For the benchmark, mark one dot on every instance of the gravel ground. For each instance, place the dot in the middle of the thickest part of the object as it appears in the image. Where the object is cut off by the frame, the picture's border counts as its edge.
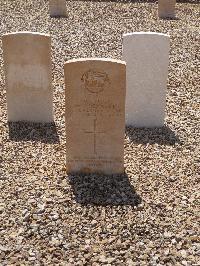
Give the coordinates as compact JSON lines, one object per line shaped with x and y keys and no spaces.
{"x":149,"y":216}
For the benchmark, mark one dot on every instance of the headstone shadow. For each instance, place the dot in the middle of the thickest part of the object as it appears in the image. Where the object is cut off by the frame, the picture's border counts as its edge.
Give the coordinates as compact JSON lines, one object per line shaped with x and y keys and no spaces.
{"x":143,"y":1}
{"x":162,"y":136}
{"x":58,"y":17}
{"x":104,"y":190}
{"x":26,"y":131}
{"x":170,"y":18}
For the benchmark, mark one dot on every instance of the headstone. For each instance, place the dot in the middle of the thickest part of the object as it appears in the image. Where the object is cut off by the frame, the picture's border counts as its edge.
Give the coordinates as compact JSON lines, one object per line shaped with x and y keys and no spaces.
{"x":146,"y":55}
{"x":57,"y":8}
{"x":27,"y":61}
{"x":95,"y":115}
{"x":166,"y":8}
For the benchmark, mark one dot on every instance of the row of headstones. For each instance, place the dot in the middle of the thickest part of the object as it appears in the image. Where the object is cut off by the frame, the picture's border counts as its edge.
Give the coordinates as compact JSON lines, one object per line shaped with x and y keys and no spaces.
{"x":166,"y":8}
{"x":94,"y":96}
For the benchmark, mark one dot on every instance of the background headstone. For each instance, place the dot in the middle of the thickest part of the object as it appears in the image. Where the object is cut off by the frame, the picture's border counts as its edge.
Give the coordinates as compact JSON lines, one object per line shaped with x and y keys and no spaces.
{"x":166,"y":8}
{"x":146,"y":55}
{"x":95,"y":115}
{"x":27,"y":62}
{"x":57,"y":8}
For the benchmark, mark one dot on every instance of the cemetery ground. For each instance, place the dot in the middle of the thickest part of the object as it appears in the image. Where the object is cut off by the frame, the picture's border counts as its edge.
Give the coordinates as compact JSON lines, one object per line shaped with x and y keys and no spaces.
{"x":149,"y":215}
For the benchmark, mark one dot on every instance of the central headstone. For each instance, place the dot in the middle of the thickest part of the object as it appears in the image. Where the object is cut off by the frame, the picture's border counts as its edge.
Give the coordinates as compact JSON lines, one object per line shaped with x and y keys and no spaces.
{"x":95,"y":115}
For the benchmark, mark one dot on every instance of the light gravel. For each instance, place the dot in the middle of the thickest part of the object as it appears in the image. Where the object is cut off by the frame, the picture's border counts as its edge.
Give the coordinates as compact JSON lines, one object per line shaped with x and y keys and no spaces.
{"x":149,"y":216}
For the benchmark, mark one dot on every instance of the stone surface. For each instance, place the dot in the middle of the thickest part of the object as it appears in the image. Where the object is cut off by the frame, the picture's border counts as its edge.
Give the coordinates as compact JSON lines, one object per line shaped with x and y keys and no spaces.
{"x":57,"y":8}
{"x":146,"y":55}
{"x":95,"y":115}
{"x":166,"y":8}
{"x":27,"y":63}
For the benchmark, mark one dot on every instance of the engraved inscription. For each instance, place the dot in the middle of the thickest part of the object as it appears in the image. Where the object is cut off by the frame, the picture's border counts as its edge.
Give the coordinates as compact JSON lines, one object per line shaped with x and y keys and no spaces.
{"x":95,"y":132}
{"x":99,"y":107}
{"x":28,"y":77}
{"x":95,"y":81}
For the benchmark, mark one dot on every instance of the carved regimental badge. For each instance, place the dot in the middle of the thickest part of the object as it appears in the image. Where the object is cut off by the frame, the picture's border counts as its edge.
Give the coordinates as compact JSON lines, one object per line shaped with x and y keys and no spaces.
{"x":95,"y":81}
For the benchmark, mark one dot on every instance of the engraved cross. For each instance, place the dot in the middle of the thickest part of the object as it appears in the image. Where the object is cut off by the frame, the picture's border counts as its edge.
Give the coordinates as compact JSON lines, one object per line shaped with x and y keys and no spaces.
{"x":94,"y":132}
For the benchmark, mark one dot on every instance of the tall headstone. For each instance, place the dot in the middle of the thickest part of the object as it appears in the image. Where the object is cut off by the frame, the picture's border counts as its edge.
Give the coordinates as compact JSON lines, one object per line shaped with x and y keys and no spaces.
{"x":166,"y":8}
{"x":27,"y":62}
{"x":95,"y":115}
{"x":147,"y":56}
{"x":57,"y":8}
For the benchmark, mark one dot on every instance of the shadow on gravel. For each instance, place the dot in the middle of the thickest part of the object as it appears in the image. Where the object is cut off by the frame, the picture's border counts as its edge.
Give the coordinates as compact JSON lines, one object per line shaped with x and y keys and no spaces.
{"x":188,"y":1}
{"x":142,"y":1}
{"x":41,"y":132}
{"x":104,"y":190}
{"x":161,"y":136}
{"x":175,"y":18}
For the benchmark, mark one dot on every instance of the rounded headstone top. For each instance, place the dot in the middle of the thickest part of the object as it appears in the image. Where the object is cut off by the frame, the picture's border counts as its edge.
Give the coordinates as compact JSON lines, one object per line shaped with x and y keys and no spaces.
{"x":95,"y":59}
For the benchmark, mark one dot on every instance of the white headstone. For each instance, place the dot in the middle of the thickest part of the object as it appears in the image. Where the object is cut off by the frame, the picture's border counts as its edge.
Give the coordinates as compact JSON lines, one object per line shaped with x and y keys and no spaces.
{"x":147,"y":56}
{"x":57,"y":8}
{"x":27,"y":62}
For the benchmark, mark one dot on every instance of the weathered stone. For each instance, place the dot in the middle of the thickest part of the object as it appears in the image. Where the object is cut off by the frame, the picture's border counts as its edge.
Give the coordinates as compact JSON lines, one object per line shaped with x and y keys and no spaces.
{"x":95,"y":115}
{"x":146,"y":55}
{"x":27,"y":61}
{"x":57,"y":8}
{"x":166,"y":8}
